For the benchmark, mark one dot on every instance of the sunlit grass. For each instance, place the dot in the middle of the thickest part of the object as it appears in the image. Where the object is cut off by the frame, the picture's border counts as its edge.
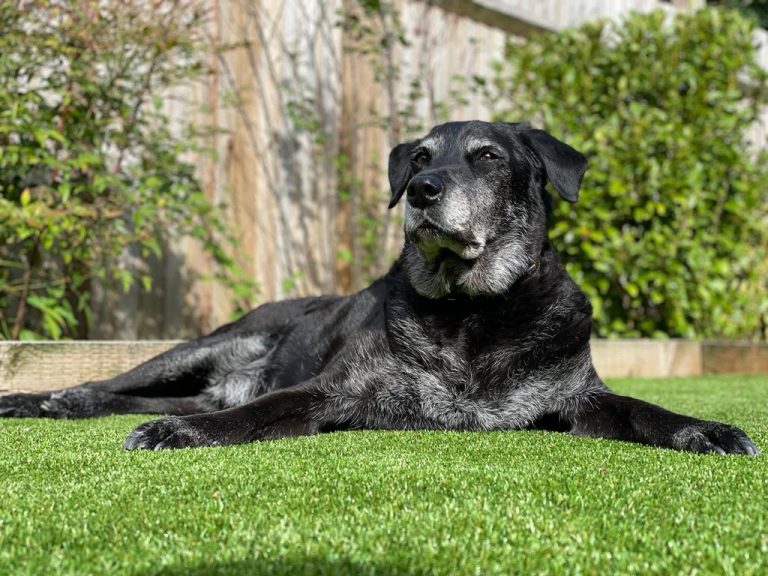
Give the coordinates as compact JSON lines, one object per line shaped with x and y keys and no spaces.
{"x":390,"y":502}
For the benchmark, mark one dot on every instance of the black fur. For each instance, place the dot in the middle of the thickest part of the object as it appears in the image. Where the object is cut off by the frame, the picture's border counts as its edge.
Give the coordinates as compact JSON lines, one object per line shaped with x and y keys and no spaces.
{"x":477,"y":326}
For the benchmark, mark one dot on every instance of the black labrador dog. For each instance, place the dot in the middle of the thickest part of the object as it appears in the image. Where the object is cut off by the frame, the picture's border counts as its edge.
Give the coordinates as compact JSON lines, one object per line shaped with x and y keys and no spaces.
{"x":477,"y":326}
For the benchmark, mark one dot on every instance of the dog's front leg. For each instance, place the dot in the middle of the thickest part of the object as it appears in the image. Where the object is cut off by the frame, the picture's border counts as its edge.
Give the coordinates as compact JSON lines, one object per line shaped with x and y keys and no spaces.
{"x":623,"y":418}
{"x":289,"y":412}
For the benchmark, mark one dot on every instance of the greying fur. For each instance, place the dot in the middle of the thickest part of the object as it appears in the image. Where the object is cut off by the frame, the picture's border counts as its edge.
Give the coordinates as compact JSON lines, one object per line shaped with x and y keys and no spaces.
{"x":239,"y":375}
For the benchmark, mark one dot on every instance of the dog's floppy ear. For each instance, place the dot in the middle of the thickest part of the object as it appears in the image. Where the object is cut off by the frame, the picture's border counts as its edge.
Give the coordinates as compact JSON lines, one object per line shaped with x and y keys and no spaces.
{"x":564,"y":166}
{"x":399,"y":170}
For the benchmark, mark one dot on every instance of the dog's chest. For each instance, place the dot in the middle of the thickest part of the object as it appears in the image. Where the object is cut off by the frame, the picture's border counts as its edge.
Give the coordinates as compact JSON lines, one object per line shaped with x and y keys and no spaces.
{"x":466,"y":335}
{"x":479,"y":373}
{"x":474,"y":352}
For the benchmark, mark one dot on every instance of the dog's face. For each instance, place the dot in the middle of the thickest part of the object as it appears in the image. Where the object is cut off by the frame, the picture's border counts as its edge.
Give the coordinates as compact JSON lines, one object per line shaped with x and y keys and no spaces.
{"x":476,"y":216}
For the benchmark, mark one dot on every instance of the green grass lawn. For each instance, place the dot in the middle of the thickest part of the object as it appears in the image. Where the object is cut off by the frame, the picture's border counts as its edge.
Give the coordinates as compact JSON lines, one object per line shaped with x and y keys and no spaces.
{"x":390,"y":502}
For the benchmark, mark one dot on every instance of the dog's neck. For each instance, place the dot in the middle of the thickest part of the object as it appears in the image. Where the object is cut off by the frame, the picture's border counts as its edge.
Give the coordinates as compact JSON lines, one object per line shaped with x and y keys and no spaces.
{"x":504,"y":263}
{"x":432,"y":282}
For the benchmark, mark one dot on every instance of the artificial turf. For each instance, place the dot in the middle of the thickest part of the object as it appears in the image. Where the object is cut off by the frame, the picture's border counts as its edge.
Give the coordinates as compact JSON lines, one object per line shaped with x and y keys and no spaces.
{"x":390,"y":502}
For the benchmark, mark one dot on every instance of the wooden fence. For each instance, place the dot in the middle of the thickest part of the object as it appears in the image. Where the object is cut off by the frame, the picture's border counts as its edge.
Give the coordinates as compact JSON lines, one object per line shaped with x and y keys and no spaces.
{"x":311,"y":100}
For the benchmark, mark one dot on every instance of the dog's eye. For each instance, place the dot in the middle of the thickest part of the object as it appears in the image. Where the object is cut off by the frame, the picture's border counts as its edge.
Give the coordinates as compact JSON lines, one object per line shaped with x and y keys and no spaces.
{"x":487,"y":155}
{"x":420,"y":160}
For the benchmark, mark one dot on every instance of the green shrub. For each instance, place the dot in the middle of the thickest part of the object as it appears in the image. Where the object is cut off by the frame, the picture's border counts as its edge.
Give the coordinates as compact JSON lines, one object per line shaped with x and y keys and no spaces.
{"x":89,"y":166}
{"x":670,"y":234}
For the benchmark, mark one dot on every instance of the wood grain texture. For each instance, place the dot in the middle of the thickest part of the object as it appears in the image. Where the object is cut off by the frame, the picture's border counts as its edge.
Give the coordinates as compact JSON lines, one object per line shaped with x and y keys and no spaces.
{"x":295,"y":98}
{"x":744,"y":357}
{"x":646,"y":358}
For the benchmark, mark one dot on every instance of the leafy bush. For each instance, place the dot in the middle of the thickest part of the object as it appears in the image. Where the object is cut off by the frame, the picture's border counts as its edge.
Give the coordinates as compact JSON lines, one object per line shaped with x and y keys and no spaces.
{"x":757,"y":10}
{"x":671,"y":231}
{"x":89,"y":165}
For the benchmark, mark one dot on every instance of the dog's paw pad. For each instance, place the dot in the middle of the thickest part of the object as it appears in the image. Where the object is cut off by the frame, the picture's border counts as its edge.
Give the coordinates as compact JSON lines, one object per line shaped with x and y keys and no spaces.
{"x":714,"y":437}
{"x":170,"y":432}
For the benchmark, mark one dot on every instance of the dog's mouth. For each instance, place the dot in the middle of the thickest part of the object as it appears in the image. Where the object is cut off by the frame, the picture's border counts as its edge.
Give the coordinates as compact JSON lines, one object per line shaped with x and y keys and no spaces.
{"x":437,"y":244}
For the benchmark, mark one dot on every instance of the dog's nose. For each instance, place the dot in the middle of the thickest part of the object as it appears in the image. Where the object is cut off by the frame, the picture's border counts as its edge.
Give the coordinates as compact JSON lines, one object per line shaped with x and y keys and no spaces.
{"x":424,"y":190}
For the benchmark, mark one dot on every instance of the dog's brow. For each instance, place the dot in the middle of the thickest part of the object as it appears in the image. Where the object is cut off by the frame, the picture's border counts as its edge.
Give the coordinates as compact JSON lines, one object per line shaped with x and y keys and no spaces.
{"x":472,"y":144}
{"x":434,"y":143}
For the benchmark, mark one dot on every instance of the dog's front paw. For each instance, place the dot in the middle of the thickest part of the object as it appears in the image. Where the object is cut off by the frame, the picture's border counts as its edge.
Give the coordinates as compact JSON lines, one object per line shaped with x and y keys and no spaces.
{"x":714,"y":437}
{"x":22,"y":405}
{"x":170,"y":432}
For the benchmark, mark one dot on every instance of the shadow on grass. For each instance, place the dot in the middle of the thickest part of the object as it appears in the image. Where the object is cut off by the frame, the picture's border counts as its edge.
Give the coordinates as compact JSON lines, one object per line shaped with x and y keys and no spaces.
{"x":291,"y":566}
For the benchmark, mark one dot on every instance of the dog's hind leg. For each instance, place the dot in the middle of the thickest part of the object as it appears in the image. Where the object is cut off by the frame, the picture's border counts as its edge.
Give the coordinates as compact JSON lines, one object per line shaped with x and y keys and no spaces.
{"x":180,"y":371}
{"x":171,"y":383}
{"x":81,"y":402}
{"x":90,"y":402}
